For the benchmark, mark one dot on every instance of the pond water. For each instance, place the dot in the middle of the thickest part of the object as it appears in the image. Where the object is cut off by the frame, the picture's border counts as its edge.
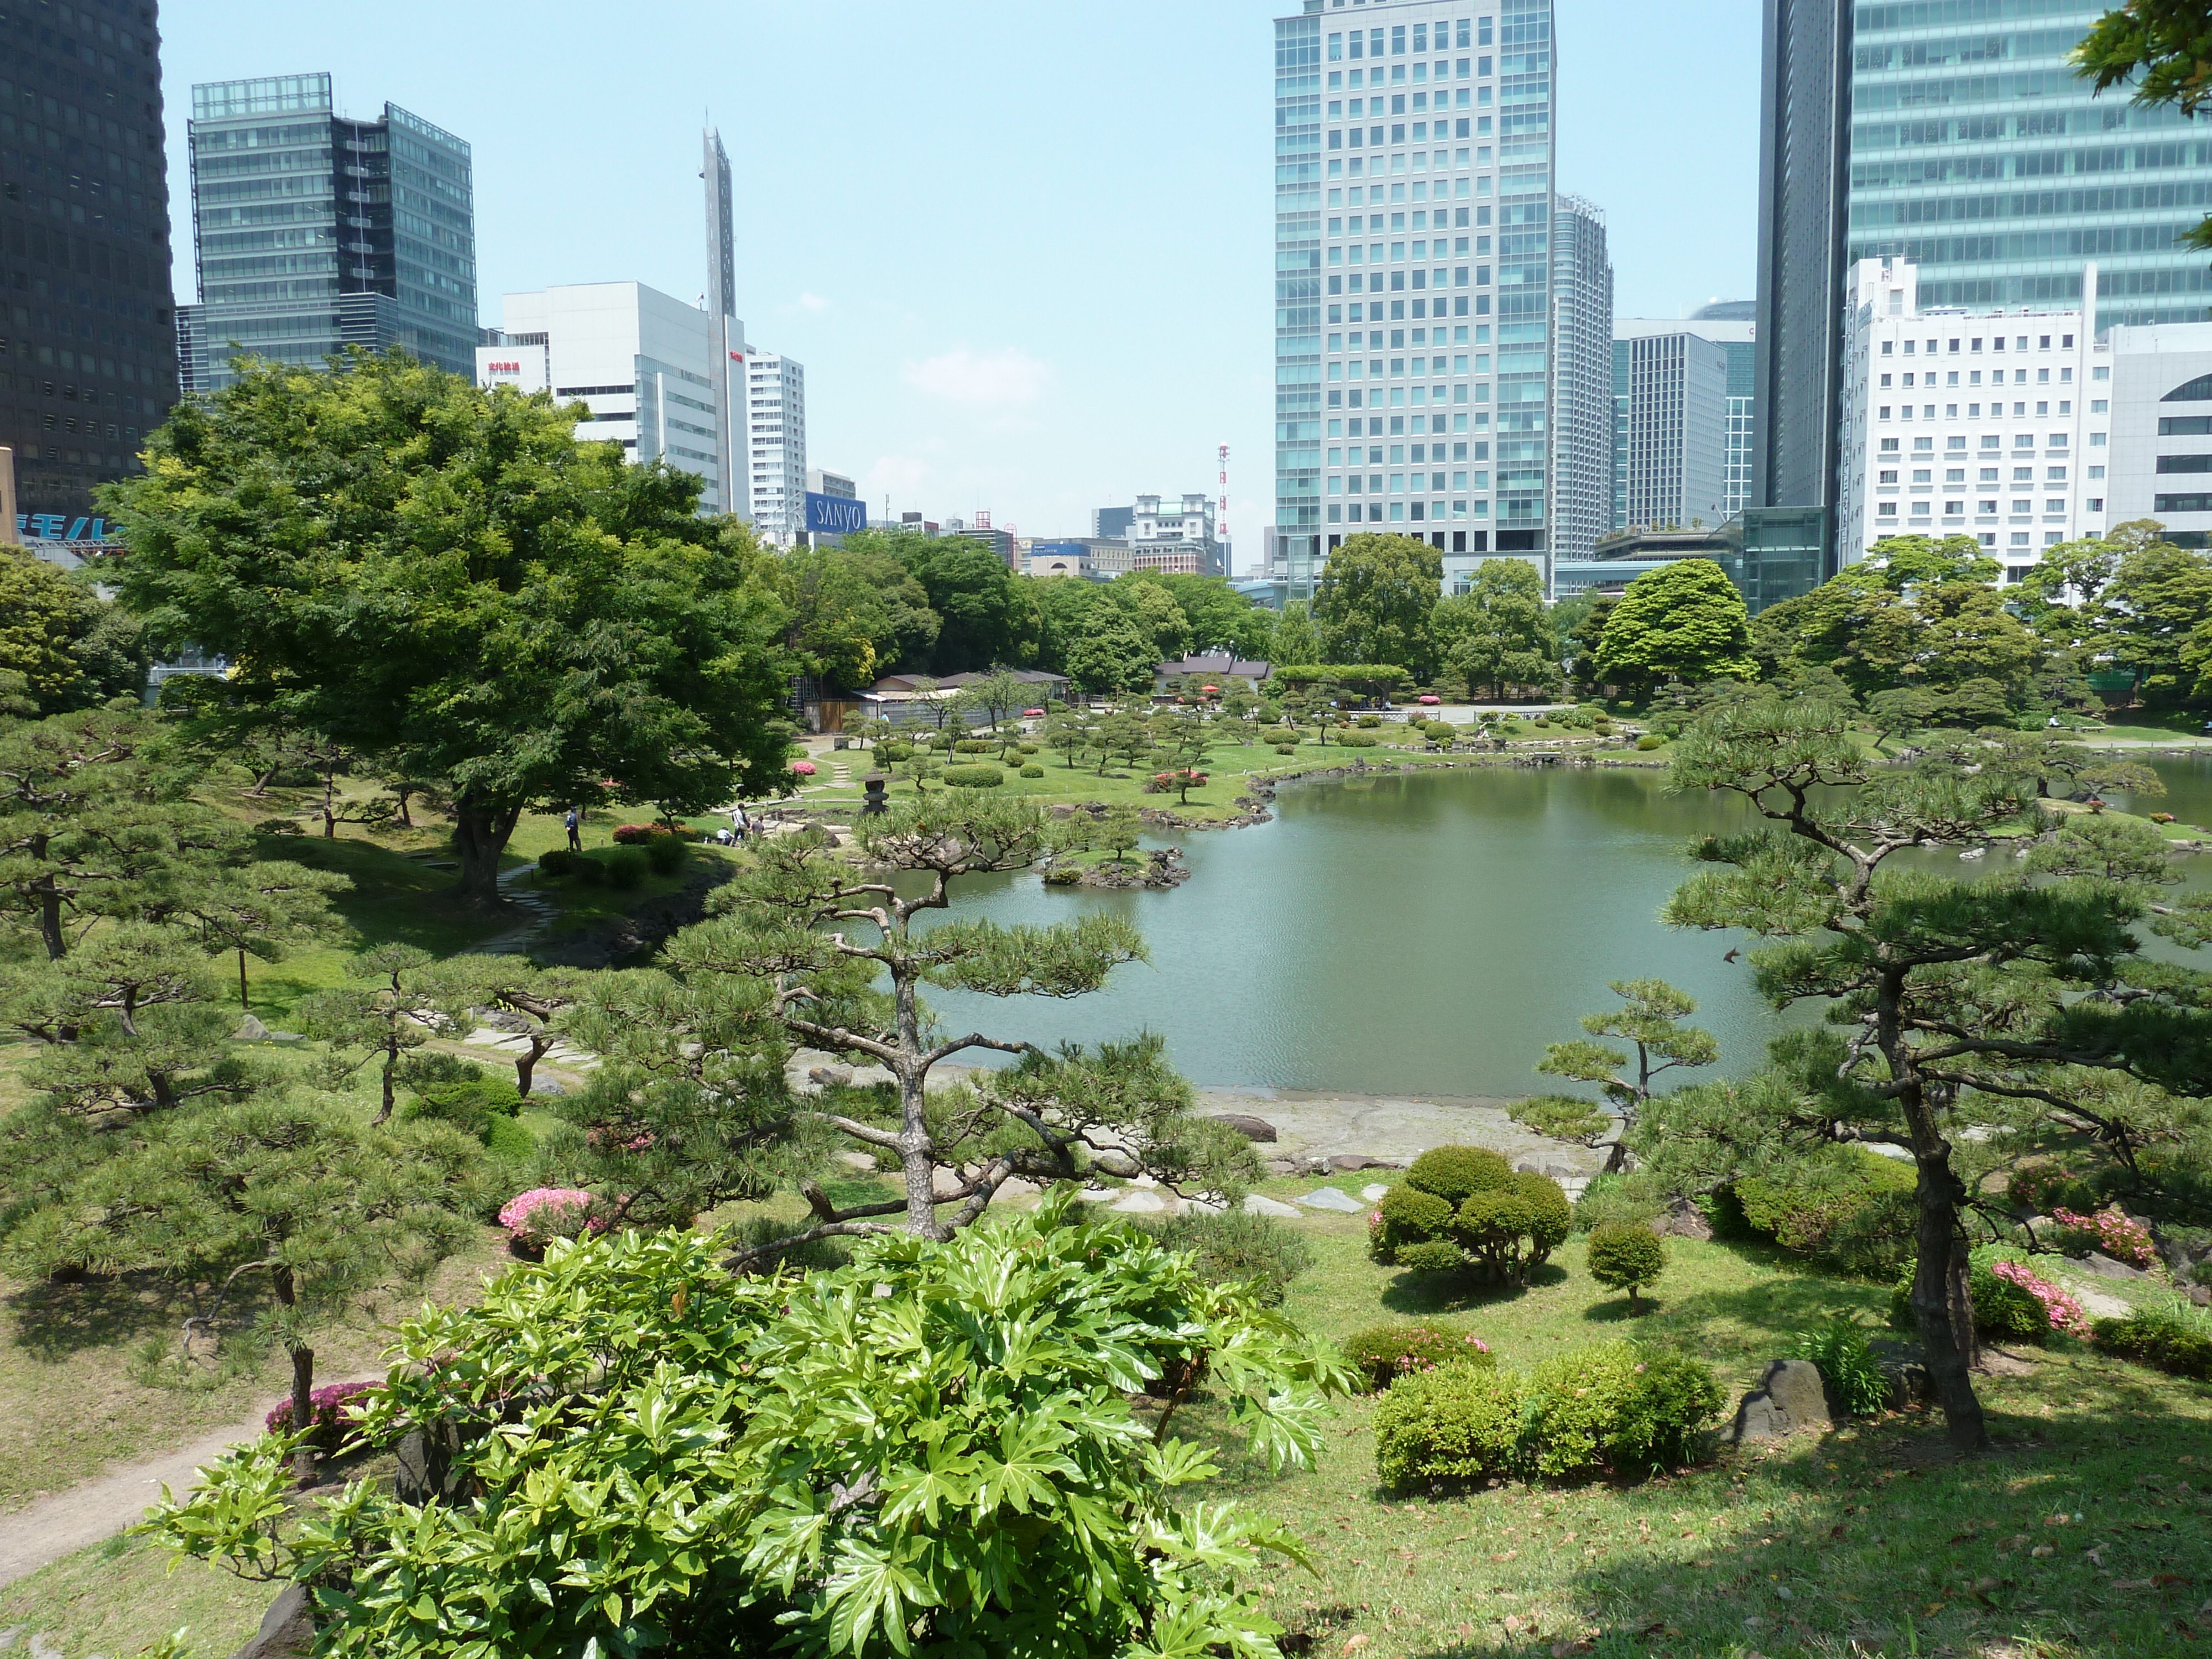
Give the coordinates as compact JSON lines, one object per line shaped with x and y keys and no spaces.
{"x":1419,"y":934}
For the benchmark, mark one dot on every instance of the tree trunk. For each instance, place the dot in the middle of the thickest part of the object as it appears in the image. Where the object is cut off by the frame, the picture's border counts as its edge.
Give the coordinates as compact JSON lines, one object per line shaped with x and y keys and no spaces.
{"x":917,"y":1151}
{"x":242,"y":1002}
{"x":50,"y":918}
{"x":303,"y":1385}
{"x":391,"y":1067}
{"x":525,"y":1064}
{"x":480,"y":835}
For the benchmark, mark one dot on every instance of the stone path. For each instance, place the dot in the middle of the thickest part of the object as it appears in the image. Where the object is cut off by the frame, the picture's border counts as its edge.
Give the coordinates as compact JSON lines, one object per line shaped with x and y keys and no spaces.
{"x":87,"y":1514}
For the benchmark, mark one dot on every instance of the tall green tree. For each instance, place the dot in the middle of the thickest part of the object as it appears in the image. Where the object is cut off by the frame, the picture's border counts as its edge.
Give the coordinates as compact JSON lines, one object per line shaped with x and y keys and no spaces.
{"x":73,"y":648}
{"x":1684,"y":621}
{"x":444,"y":577}
{"x":1376,"y":596}
{"x":1498,"y":633}
{"x":2150,"y":613}
{"x":854,"y":613}
{"x":989,"y":616}
{"x":1295,"y":639}
{"x":1154,"y":609}
{"x":1949,"y":990}
{"x":1114,"y":655}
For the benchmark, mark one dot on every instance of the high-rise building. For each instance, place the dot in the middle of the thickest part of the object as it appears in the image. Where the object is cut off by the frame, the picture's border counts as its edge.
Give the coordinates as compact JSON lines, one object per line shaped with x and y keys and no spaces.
{"x":2160,"y":405}
{"x":644,"y":365}
{"x":87,"y":343}
{"x":1582,"y":380}
{"x":1683,"y":438}
{"x":775,"y":424}
{"x":728,"y":344}
{"x":1111,"y":522}
{"x":1993,"y":424}
{"x":1961,"y":140}
{"x":1180,"y":525}
{"x":315,"y":233}
{"x":1414,"y":220}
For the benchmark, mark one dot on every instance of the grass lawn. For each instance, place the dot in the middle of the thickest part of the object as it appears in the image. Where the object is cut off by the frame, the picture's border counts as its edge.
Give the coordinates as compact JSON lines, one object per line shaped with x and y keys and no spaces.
{"x":122,"y":1596}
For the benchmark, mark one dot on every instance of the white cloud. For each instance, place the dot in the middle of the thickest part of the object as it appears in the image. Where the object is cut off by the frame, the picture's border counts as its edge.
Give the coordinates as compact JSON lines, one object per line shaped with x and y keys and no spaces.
{"x":996,"y":380}
{"x":813,"y":303}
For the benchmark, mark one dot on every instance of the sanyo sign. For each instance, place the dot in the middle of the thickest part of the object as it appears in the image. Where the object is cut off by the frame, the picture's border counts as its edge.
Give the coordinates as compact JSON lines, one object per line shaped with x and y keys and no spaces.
{"x":836,"y":515}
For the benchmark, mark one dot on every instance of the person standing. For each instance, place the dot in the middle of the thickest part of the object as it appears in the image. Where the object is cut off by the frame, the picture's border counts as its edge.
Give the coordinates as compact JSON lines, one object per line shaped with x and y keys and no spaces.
{"x":739,"y":822}
{"x":574,"y":824}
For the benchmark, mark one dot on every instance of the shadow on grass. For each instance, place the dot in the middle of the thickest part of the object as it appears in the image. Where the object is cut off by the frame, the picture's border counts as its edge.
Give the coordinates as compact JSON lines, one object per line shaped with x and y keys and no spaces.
{"x":1419,"y":1294}
{"x":1619,"y":1311}
{"x":55,"y":1318}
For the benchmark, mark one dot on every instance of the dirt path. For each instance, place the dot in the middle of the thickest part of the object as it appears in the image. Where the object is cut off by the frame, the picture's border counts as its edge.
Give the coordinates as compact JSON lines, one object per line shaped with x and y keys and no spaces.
{"x":99,"y":1509}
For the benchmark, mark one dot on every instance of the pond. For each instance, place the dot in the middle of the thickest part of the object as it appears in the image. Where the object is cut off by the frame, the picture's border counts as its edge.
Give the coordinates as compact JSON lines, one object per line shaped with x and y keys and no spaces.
{"x":1424,"y":934}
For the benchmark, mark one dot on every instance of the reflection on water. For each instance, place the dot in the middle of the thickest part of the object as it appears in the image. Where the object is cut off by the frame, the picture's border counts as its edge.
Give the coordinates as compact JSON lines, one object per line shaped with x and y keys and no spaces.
{"x":1426,"y":933}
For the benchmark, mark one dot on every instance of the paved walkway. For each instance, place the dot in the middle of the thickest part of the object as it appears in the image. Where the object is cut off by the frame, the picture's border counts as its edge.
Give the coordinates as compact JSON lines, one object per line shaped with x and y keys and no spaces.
{"x":97,"y":1510}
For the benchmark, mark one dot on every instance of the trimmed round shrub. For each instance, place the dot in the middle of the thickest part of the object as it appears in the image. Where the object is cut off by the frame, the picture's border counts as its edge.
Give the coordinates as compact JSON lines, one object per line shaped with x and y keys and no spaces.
{"x":1618,"y":1406}
{"x":1434,"y":1255}
{"x":638,"y":835}
{"x":973,"y":777}
{"x":1440,"y":731}
{"x":280,"y":827}
{"x":557,"y":862}
{"x":1552,"y":1218}
{"x":1231,"y":1247}
{"x":1626,"y":1258}
{"x":472,"y":1105}
{"x":1853,"y":1208}
{"x":1025,"y":748}
{"x":1286,"y":749}
{"x":1359,"y":739}
{"x":625,"y":867}
{"x":1493,"y":1228}
{"x":1032,"y":771}
{"x":974,"y":746}
{"x":1649,"y":741}
{"x":1369,"y":722}
{"x":1456,"y":1173}
{"x":1603,"y":728}
{"x":1386,"y":1352}
{"x":1406,"y":1215}
{"x":890,"y":751}
{"x":666,"y":854}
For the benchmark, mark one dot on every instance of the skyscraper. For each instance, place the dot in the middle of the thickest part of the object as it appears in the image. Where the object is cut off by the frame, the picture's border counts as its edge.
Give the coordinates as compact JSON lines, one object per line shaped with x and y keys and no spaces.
{"x":1413,"y":218}
{"x":1674,"y":455}
{"x":1582,"y":380}
{"x":87,"y":345}
{"x":728,"y":341}
{"x":314,"y":232}
{"x":1728,"y":425}
{"x":1971,"y":148}
{"x":775,"y":419}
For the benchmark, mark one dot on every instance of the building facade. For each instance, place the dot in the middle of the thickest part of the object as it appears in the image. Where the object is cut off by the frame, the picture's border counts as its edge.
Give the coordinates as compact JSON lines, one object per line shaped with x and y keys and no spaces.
{"x":313,"y":233}
{"x":642,"y":363}
{"x":775,"y":424}
{"x":1672,"y":428}
{"x":1725,"y":323}
{"x":1990,"y":423}
{"x":2161,"y":410}
{"x":726,"y":344}
{"x":1177,"y":525}
{"x":1413,"y":231}
{"x":1581,"y":419}
{"x":87,"y":342}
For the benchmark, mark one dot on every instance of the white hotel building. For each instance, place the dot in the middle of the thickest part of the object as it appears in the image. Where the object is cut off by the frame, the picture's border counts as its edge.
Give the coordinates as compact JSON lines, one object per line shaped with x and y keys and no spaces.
{"x":1990,"y":423}
{"x":641,"y":363}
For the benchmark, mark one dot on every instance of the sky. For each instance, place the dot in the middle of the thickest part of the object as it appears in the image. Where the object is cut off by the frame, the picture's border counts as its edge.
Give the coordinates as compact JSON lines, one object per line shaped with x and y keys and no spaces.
{"x":1024,"y":251}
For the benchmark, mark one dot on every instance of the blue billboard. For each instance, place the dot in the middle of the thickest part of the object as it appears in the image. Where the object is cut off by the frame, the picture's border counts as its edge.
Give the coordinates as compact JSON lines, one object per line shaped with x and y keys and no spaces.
{"x":836,"y":515}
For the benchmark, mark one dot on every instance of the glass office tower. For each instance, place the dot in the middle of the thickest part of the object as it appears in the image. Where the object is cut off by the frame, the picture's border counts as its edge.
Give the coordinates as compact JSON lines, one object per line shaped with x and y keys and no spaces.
{"x":315,"y":233}
{"x":1413,"y":275}
{"x":1582,"y":416}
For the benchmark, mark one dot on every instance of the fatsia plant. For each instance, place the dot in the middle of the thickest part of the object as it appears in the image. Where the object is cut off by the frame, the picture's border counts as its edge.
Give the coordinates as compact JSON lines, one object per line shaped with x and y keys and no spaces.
{"x":1949,"y":989}
{"x":931,"y":1452}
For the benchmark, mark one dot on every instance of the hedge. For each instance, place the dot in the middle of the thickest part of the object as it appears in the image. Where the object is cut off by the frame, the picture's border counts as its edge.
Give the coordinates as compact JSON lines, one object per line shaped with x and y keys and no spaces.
{"x":2170,"y":1337}
{"x":973,"y":777}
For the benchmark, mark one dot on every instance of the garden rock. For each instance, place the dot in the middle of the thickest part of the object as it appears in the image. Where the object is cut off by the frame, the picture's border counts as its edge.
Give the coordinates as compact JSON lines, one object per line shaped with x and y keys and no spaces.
{"x":1353,"y":1162}
{"x":1141,"y":1202}
{"x":1260,"y":1204}
{"x":1534,"y":1165}
{"x":1329,"y":1198}
{"x":2106,"y":1268}
{"x":1117,"y":1162}
{"x":249,"y":1030}
{"x":1285,"y":1166}
{"x":1790,"y":1397}
{"x":1252,"y":1128}
{"x":287,"y":1628}
{"x":865,"y":1162}
{"x":1682,"y":1219}
{"x":1374,"y":1193}
{"x":829,"y":1077}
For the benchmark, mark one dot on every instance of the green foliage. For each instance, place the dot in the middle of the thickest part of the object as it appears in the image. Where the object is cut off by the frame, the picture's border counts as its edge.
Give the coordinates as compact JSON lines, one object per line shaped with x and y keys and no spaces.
{"x":853,"y":613}
{"x":1618,"y":1407}
{"x":1358,"y":740}
{"x":973,"y":746}
{"x":474,"y":1106}
{"x":1498,"y":635}
{"x":1229,"y":1247}
{"x":1374,"y":603}
{"x":931,"y":1448}
{"x":2169,"y":1335}
{"x":1840,"y":1205}
{"x":1683,"y":621}
{"x":1649,"y":741}
{"x":666,"y":854}
{"x":1032,"y":771}
{"x":1384,"y":1353}
{"x":974,"y":777}
{"x":2004,"y":1310}
{"x":73,"y":648}
{"x":1626,"y":1257}
{"x":1456,"y":1173}
{"x":1839,"y":1346}
{"x":552,"y":616}
{"x":1407,"y":1216}
{"x":624,"y":867}
{"x":1562,"y":1117}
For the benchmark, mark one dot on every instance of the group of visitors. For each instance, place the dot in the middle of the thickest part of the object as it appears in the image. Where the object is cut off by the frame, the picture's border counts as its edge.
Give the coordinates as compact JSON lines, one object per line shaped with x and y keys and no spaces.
{"x":739,"y":827}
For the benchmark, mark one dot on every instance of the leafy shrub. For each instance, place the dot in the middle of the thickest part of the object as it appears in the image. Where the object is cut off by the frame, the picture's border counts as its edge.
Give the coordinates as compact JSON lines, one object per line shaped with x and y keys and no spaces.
{"x":641,"y":835}
{"x":666,"y":854}
{"x":1442,"y":732}
{"x":648,"y":1368}
{"x":1386,"y":1352}
{"x":1847,"y":1206}
{"x":471,"y":1105}
{"x":1371,"y":722}
{"x":2170,"y":1335}
{"x":1603,"y":728}
{"x":328,"y":1423}
{"x":974,"y":777}
{"x":2117,"y":1235}
{"x":1433,"y":1255}
{"x":1839,"y":1346}
{"x":2011,"y":1302}
{"x":1359,"y":739}
{"x":1406,"y":1216}
{"x":279,"y":827}
{"x":1456,"y":1173}
{"x":1286,"y":749}
{"x":1553,"y":1217}
{"x":973,"y":746}
{"x":557,"y":862}
{"x":1025,"y":748}
{"x":504,"y":1137}
{"x":1619,"y":1406}
{"x":624,"y":867}
{"x":535,"y":1218}
{"x":1649,"y":741}
{"x":1032,"y":771}
{"x":891,"y":752}
{"x":1619,"y":1198}
{"x":1231,"y":1247}
{"x":1626,"y":1258}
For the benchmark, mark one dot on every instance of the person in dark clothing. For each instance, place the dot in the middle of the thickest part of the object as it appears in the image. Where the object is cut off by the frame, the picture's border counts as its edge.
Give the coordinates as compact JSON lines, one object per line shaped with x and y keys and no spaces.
{"x":575,"y":823}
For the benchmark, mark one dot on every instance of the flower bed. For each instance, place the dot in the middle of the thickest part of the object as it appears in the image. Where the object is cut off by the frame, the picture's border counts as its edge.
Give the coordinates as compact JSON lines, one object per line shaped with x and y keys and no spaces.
{"x":535,"y":1218}
{"x":2063,"y":1312}
{"x":2118,"y":1236}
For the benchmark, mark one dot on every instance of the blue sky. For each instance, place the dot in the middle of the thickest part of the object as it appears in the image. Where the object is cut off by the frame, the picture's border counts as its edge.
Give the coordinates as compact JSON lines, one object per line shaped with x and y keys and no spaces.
{"x":1024,"y":251}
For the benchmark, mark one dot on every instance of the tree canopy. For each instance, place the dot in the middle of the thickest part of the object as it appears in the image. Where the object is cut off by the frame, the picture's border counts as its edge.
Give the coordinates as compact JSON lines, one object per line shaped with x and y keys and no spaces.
{"x":1684,"y":621}
{"x":1498,"y":633}
{"x":1374,"y":603}
{"x":444,"y":577}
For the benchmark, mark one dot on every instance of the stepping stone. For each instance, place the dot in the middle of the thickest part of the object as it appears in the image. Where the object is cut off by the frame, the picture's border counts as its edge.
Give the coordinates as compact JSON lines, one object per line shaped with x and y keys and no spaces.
{"x":1372,"y":1193}
{"x":1329,"y":1198}
{"x":1257,"y":1204}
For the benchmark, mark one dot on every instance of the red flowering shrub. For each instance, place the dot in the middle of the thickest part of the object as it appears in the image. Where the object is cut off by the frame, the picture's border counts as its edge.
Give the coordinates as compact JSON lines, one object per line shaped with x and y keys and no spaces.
{"x":327,"y":1418}
{"x":2117,"y":1236}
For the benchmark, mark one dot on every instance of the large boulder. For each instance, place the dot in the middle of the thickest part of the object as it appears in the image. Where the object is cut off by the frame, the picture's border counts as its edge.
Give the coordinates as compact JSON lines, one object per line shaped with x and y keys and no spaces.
{"x":1682,"y":1219}
{"x":288,"y":1629}
{"x":1252,"y":1128}
{"x":1791,"y":1396}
